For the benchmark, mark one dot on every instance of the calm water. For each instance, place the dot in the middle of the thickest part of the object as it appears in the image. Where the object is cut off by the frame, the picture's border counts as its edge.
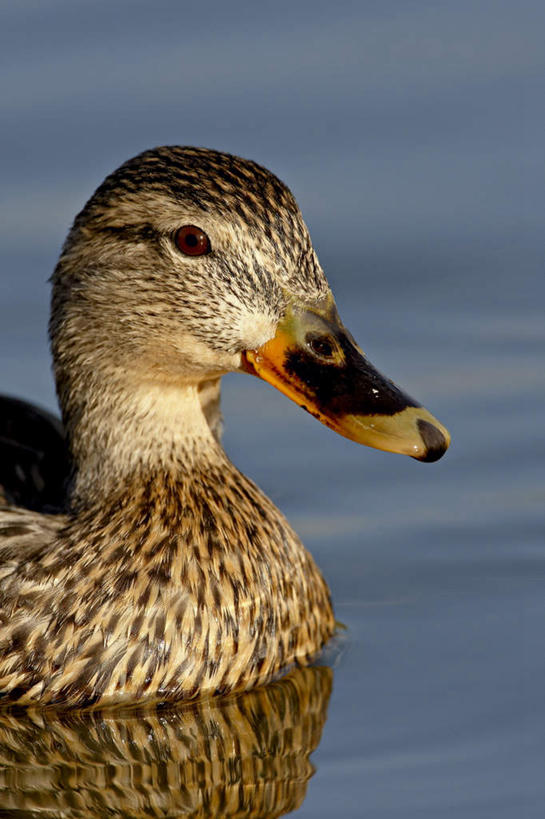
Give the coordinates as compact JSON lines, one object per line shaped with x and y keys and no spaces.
{"x":411,"y":134}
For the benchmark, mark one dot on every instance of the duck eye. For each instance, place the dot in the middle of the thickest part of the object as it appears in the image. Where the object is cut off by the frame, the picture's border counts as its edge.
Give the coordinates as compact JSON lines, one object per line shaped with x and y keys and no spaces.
{"x":320,"y":345}
{"x":192,"y":241}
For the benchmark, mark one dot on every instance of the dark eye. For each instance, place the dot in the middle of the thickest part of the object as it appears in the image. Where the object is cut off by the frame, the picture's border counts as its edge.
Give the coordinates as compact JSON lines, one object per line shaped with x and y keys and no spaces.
{"x":192,"y":241}
{"x":320,"y":345}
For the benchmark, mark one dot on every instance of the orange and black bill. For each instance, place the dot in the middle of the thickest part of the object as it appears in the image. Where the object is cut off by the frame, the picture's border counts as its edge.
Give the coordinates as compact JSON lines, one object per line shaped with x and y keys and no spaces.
{"x":315,"y":361}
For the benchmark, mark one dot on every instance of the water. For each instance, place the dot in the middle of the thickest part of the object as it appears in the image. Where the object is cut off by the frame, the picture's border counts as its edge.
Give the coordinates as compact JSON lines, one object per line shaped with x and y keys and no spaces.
{"x":411,"y":135}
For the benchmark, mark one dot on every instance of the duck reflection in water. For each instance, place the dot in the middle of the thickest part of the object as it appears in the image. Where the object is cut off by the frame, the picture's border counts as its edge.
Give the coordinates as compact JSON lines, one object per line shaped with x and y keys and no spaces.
{"x":242,"y":756}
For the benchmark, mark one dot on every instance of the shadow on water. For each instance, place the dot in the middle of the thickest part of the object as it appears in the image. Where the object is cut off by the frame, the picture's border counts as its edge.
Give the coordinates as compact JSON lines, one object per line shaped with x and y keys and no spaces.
{"x":234,"y":757}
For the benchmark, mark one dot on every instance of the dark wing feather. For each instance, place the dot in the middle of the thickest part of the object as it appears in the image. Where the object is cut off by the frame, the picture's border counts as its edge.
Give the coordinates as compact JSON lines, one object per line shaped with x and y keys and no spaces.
{"x":34,"y":460}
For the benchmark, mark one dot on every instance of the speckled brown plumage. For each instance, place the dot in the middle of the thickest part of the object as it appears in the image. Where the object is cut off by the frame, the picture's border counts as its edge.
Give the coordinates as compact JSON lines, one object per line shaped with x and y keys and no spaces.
{"x":172,"y":576}
{"x":173,"y":589}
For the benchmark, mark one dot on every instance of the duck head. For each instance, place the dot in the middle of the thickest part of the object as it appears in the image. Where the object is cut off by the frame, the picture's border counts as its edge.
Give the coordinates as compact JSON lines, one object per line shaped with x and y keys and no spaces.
{"x":187,"y":264}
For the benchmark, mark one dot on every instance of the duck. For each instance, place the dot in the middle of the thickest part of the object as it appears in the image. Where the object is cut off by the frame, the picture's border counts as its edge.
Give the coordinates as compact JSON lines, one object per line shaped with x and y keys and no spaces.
{"x":169,"y":575}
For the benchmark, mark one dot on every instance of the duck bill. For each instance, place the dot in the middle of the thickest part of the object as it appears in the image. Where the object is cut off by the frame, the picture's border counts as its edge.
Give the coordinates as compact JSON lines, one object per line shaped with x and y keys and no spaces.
{"x":315,"y":361}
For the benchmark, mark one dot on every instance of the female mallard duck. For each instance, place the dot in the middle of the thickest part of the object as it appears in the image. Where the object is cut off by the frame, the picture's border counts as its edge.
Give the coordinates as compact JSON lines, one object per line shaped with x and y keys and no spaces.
{"x":172,"y":576}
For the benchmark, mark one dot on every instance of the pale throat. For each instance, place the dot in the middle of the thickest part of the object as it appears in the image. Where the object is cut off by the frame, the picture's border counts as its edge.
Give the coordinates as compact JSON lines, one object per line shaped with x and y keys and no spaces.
{"x":139,"y":430}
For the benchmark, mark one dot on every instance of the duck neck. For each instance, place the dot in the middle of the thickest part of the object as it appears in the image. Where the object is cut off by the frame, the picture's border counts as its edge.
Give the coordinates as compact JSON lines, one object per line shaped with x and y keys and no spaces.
{"x":129,"y":433}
